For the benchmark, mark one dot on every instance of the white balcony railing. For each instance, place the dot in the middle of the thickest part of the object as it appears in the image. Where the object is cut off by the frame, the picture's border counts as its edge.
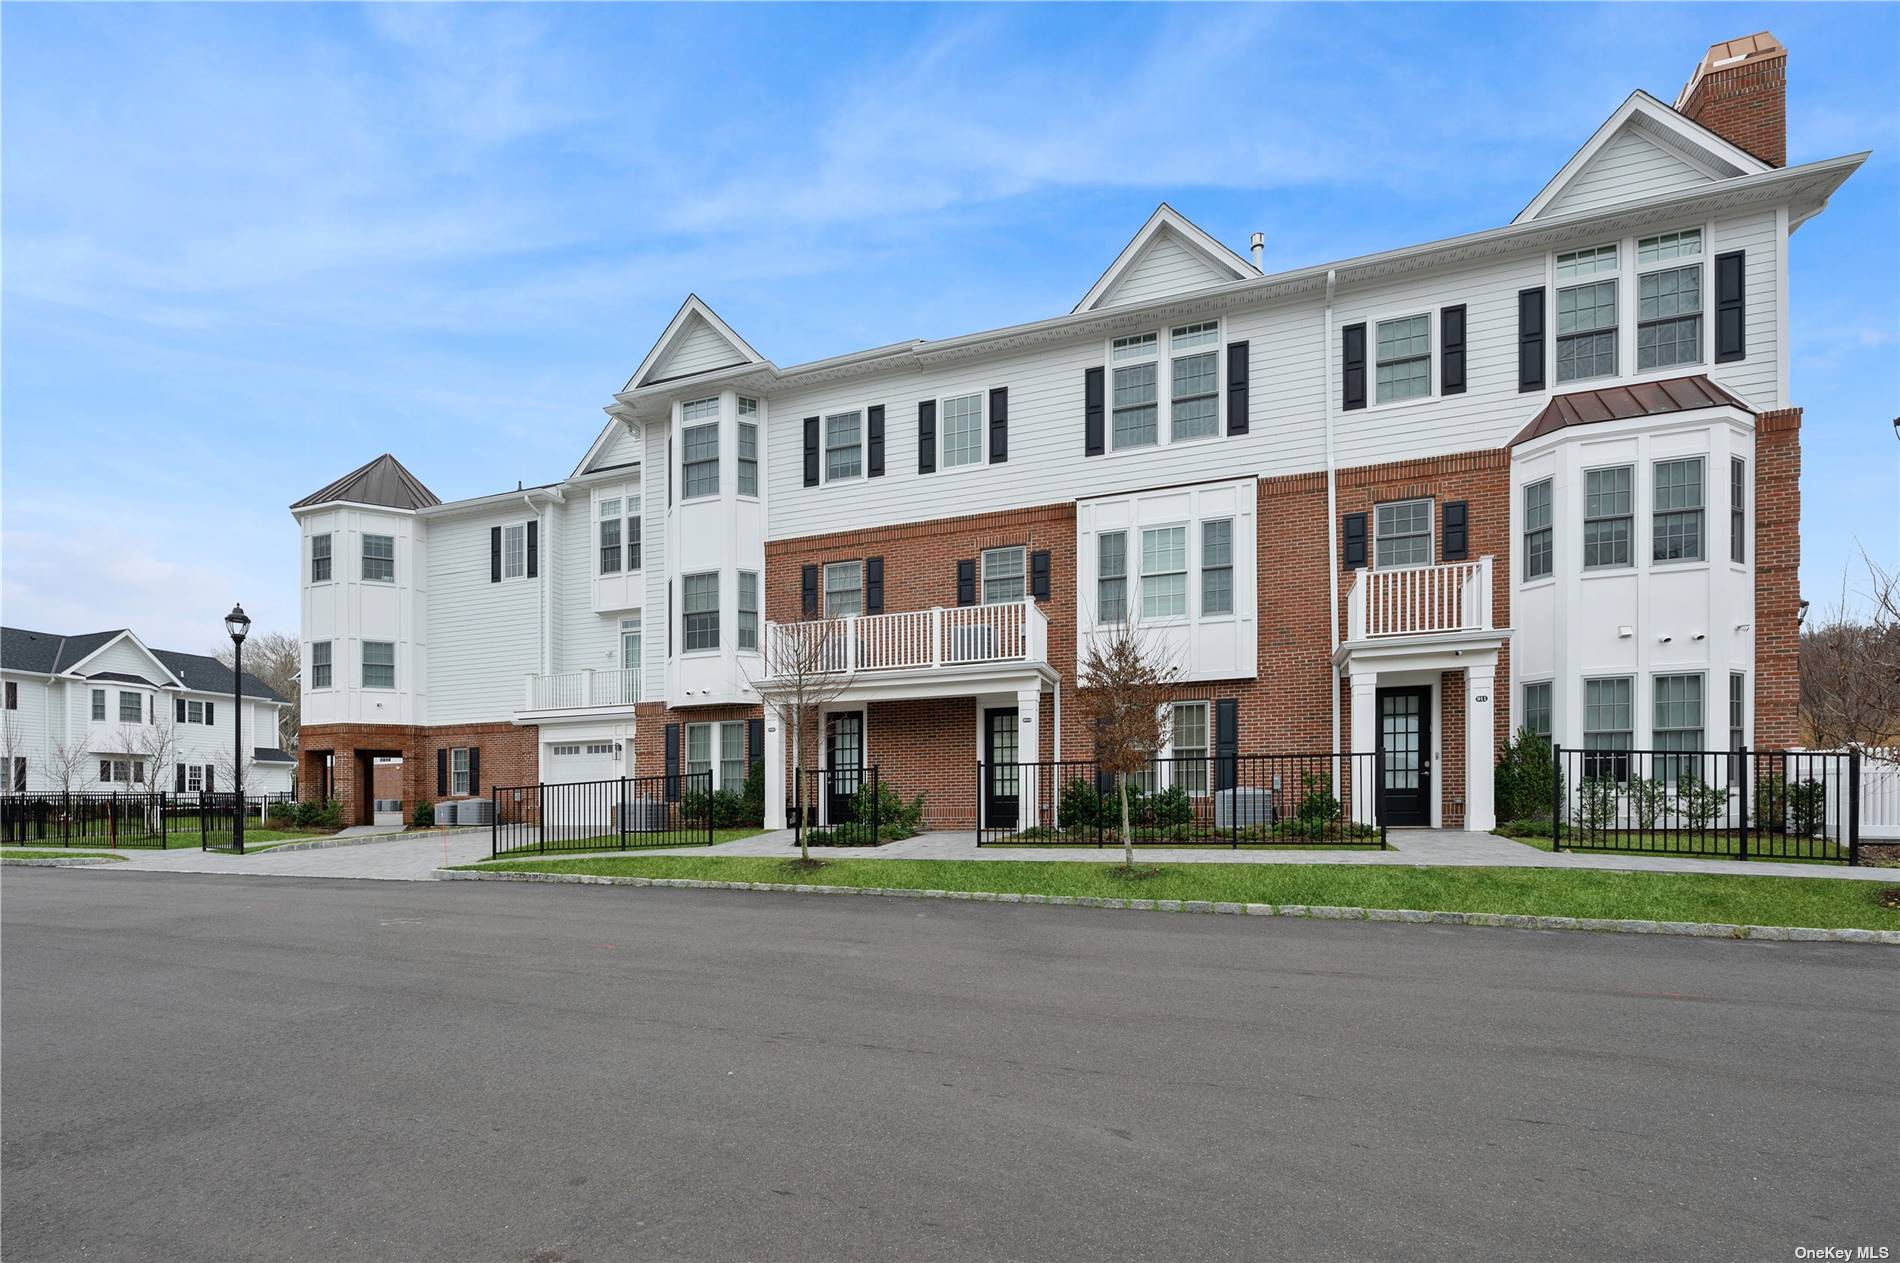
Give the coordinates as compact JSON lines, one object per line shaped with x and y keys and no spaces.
{"x":913,"y":640}
{"x":1420,"y":600}
{"x":575,"y":690}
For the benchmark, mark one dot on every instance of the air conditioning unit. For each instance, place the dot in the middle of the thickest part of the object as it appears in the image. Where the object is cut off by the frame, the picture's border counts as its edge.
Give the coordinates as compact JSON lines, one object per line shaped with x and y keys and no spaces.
{"x":643,"y":815}
{"x":1242,"y":807}
{"x":445,"y":813}
{"x":475,"y":811}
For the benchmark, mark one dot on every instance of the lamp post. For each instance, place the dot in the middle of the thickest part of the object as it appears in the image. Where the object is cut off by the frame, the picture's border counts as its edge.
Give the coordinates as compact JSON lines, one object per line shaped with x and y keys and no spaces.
{"x":237,"y":624}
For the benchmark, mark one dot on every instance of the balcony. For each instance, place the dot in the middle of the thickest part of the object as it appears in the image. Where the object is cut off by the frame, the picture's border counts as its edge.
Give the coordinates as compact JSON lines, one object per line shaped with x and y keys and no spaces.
{"x":1420,"y":601}
{"x":915,"y":640}
{"x":582,"y":690}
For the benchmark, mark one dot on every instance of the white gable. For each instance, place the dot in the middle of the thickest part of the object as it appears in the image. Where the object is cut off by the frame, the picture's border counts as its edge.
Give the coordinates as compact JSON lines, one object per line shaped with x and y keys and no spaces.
{"x":1629,"y":166}
{"x":621,"y":448}
{"x":1645,"y":149}
{"x":126,"y":656}
{"x":698,"y":348}
{"x":1168,"y":256}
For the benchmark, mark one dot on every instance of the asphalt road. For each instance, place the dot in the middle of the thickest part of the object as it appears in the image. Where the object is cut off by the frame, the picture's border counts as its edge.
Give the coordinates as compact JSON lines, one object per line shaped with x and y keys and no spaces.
{"x":204,"y":1068}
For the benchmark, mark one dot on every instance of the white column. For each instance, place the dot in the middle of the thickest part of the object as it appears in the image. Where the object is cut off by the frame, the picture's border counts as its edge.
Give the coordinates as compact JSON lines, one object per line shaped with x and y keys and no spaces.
{"x":1028,"y":750}
{"x":1480,"y":754}
{"x":1365,"y":739}
{"x":774,"y":770}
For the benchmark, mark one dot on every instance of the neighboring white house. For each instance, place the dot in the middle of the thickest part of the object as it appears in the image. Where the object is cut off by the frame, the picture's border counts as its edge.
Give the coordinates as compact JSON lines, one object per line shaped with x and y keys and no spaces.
{"x":102,"y":712}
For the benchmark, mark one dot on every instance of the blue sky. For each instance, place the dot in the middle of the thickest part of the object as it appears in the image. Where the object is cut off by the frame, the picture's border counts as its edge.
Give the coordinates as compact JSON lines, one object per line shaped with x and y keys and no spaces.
{"x":246,"y":248}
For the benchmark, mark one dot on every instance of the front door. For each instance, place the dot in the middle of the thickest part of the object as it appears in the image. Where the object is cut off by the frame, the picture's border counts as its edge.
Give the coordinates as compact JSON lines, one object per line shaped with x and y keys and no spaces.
{"x":844,"y":761}
{"x":1405,"y":738}
{"x":1001,"y":776}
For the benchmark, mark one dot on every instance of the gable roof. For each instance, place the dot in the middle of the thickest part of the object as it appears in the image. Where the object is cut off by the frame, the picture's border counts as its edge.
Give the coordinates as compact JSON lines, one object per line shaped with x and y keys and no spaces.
{"x":1617,"y":403}
{"x":382,"y":483}
{"x":46,"y":653}
{"x":204,"y":674}
{"x":695,"y":341}
{"x":1660,"y":127}
{"x":1192,"y":259}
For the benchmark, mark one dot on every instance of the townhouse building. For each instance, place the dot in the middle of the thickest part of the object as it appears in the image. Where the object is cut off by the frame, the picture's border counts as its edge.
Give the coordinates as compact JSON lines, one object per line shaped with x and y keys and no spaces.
{"x":103,"y":713}
{"x":1542,"y":475}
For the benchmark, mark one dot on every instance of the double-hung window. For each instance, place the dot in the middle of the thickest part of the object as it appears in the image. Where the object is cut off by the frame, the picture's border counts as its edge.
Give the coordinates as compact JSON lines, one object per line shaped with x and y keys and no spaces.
{"x":748,"y":633}
{"x":1402,"y":534}
{"x":1404,"y":362}
{"x":98,"y":706}
{"x":131,"y":708}
{"x":1217,"y":567}
{"x":1608,"y":726}
{"x":1111,"y":577}
{"x":699,"y":449}
{"x":1737,"y":510}
{"x":610,"y":541}
{"x":379,"y":559}
{"x":1607,"y":515}
{"x":320,"y":558}
{"x":1668,"y":300}
{"x":194,"y":776}
{"x":962,"y":431}
{"x":379,"y":664}
{"x":1137,"y":368}
{"x":732,"y":754}
{"x":1164,"y":572}
{"x":1537,"y":709}
{"x":1002,"y":575}
{"x":1678,"y":723}
{"x":1586,"y":314}
{"x":1539,"y":560}
{"x":748,"y":447}
{"x":1189,"y":731}
{"x":1737,"y":726}
{"x":699,"y":748}
{"x":1194,"y":381}
{"x":458,"y":771}
{"x":844,"y":453}
{"x":844,"y":589}
{"x":700,"y":620}
{"x":514,"y":550}
{"x":1676,"y":530}
{"x":320,"y":664}
{"x":195,"y":711}
{"x":630,"y":659}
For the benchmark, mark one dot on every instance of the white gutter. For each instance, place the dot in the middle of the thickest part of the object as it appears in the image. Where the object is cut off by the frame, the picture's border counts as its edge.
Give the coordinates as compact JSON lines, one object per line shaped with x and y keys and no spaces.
{"x":1332,"y":509}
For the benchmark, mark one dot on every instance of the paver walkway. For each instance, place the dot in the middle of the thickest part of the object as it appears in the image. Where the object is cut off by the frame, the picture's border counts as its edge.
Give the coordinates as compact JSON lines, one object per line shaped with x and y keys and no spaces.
{"x":409,"y":858}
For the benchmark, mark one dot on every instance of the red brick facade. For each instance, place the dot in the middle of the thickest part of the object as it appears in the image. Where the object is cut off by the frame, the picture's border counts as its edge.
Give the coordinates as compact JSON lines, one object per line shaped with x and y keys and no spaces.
{"x":1778,"y":579}
{"x":510,"y":755}
{"x":1746,"y":105}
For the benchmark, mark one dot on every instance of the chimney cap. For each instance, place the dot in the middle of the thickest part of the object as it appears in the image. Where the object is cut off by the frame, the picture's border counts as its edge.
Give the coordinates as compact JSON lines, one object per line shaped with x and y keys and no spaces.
{"x":1728,"y":53}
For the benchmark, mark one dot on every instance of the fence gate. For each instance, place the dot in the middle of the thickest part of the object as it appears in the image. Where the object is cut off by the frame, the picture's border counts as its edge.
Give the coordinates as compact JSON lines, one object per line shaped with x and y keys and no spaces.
{"x":841,"y":803}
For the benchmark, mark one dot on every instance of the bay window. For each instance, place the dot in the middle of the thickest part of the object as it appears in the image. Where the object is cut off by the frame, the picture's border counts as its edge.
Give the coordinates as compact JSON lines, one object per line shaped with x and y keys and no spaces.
{"x":748,"y":447}
{"x":699,"y":450}
{"x":1608,"y":514}
{"x":1164,"y":572}
{"x":1676,"y":529}
{"x":1217,"y":567}
{"x":379,"y":664}
{"x":379,"y":559}
{"x":1111,"y":577}
{"x":700,"y":615}
{"x":748,"y":634}
{"x":1539,"y":553}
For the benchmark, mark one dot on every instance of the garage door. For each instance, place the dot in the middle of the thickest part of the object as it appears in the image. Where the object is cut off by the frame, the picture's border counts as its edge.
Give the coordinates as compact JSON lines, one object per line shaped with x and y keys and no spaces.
{"x":579,"y":761}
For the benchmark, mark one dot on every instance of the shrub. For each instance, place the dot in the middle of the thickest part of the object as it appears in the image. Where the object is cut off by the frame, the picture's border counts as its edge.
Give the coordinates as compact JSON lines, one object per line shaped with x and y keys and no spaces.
{"x":1699,"y":802}
{"x":1318,"y":808}
{"x":896,"y":819}
{"x":1771,"y":804}
{"x":1526,"y":783}
{"x":695,"y":807}
{"x":1649,"y":797}
{"x":752,"y":796}
{"x":1080,"y":806}
{"x":1527,"y":827}
{"x":1170,"y":809}
{"x":1807,"y":807}
{"x":1597,"y":800}
{"x":423,"y":816}
{"x":281,"y":812}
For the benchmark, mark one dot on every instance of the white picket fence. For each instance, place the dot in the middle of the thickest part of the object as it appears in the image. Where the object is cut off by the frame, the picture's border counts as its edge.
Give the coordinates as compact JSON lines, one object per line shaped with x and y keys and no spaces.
{"x":1880,"y":795}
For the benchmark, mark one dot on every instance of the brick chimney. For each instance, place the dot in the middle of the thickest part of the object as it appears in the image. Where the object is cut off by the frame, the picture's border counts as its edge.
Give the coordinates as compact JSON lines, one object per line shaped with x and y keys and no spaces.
{"x":1739,"y":91}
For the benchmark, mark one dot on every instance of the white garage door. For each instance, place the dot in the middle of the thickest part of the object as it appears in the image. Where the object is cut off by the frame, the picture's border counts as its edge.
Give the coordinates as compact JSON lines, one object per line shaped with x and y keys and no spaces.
{"x":571,"y":761}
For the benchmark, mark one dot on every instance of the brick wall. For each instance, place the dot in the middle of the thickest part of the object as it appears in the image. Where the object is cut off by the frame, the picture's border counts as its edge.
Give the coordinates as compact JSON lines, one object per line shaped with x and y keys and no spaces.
{"x":1778,"y":579}
{"x":510,"y":755}
{"x":1746,"y":105}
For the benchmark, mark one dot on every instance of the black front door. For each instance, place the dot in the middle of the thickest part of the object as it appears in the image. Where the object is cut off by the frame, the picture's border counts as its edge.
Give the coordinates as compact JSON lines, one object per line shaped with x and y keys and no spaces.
{"x":844,"y":762}
{"x":1405,"y":738}
{"x":1001,"y":776}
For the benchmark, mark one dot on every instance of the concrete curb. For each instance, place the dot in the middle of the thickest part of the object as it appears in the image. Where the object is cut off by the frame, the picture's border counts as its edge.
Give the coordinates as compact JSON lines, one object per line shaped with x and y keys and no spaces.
{"x":75,"y":861}
{"x":1515,"y":921}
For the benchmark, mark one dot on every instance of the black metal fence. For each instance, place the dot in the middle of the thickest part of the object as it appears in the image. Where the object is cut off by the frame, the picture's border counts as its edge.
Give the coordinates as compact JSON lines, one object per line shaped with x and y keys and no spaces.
{"x":1225,"y":800}
{"x":148,"y":820}
{"x":838,"y":807}
{"x":618,"y":815}
{"x":1716,"y":804}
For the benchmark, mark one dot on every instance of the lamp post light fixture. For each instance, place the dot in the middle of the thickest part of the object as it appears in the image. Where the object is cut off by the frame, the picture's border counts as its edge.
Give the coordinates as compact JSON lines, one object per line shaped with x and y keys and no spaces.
{"x":237,"y":624}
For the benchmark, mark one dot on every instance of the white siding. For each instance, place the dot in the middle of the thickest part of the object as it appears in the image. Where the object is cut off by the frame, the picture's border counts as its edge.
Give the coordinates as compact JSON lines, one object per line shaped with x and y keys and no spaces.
{"x":1756,"y":378}
{"x":127,"y":659}
{"x":700,"y":347}
{"x":621,"y":449}
{"x":587,"y":639}
{"x":1166,"y":266}
{"x":1629,"y":167}
{"x":485,"y":637}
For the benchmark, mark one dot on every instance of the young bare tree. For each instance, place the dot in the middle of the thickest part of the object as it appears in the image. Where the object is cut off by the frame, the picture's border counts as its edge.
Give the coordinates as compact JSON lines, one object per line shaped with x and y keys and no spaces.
{"x":1124,"y":689}
{"x":13,"y":754}
{"x":275,"y":660}
{"x":802,"y":669}
{"x":1850,"y":667}
{"x":65,"y":763}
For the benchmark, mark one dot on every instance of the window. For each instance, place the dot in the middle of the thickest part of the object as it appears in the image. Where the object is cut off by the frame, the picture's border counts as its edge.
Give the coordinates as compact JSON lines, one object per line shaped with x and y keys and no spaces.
{"x":748,"y":447}
{"x":379,"y":559}
{"x":1676,"y":531}
{"x":1002,"y":575}
{"x":1678,"y":723}
{"x":458,"y":771}
{"x":138,"y":771}
{"x":700,"y":624}
{"x":1608,"y":726}
{"x":1194,"y":382}
{"x":843,"y":456}
{"x":1539,"y":562}
{"x":1190,"y":747}
{"x":844,"y":589}
{"x":699,"y":461}
{"x":1217,"y":567}
{"x":105,"y":769}
{"x":98,"y":706}
{"x":320,"y":558}
{"x":748,"y":610}
{"x":131,"y":708}
{"x":194,"y":777}
{"x":514,"y":550}
{"x":630,"y":658}
{"x":19,"y":774}
{"x":610,"y":536}
{"x":1737,"y":511}
{"x":1111,"y":577}
{"x":700,"y":410}
{"x":1164,"y":572}
{"x":699,"y":739}
{"x":962,"y":430}
{"x":619,"y":536}
{"x":560,"y":751}
{"x":1669,"y":301}
{"x":319,"y":664}
{"x":1402,"y":534}
{"x":1737,"y":727}
{"x":1404,"y":363}
{"x":13,"y":695}
{"x":732,"y":754}
{"x":1606,"y":517}
{"x":600,"y":747}
{"x":1537,"y":709}
{"x":195,"y":711}
{"x":1134,"y":404}
{"x":379,"y":664}
{"x":1586,"y":315}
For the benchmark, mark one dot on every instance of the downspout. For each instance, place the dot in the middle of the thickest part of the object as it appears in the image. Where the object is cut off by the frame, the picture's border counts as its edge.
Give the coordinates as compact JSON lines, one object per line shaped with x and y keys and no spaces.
{"x":1332,"y":511}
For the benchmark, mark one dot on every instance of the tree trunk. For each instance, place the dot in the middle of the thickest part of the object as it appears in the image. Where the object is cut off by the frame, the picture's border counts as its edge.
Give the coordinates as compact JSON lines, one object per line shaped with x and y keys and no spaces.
{"x":1128,"y":837}
{"x":804,"y":825}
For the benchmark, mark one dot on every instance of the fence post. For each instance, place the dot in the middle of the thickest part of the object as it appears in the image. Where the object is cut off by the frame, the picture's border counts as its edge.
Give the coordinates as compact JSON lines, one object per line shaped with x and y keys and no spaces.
{"x":1556,"y":797}
{"x":1378,"y":794}
{"x":1741,"y":845}
{"x":541,"y":815}
{"x":494,"y":821}
{"x":979,"y":802}
{"x":620,"y":811}
{"x":1853,"y":806}
{"x":874,"y":803}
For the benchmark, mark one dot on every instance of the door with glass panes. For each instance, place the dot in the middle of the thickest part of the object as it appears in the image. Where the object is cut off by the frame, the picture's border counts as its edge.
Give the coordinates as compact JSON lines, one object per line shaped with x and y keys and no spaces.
{"x":1405,"y":741}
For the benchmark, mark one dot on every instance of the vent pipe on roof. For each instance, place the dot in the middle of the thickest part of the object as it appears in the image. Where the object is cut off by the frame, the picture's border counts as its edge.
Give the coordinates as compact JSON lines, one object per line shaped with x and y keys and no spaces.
{"x":1259,"y":252}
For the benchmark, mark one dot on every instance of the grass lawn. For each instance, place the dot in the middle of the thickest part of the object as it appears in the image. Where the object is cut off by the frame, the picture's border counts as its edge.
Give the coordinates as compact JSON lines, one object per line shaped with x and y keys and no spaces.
{"x":1820,"y":902}
{"x":611,"y":842}
{"x":1107,"y":848}
{"x":1710,"y":846}
{"x":24,"y":853}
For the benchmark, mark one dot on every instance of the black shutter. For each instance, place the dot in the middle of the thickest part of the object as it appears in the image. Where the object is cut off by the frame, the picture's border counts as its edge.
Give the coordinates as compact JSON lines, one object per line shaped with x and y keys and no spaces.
{"x":179,"y":784}
{"x":211,"y":711}
{"x":927,"y":436}
{"x":873,"y":585}
{"x":1105,"y":786}
{"x":1352,"y":367}
{"x":672,"y":787}
{"x":181,"y":710}
{"x":1731,"y":308}
{"x":475,"y":769}
{"x":1039,"y":574}
{"x":1352,"y":541}
{"x":441,"y":773}
{"x":1226,"y":742}
{"x":1451,"y":354}
{"x":494,"y":554}
{"x":1530,"y":339}
{"x":669,"y":618}
{"x":211,"y":779}
{"x":755,"y":743}
{"x":874,"y":430}
{"x":811,"y":451}
{"x":808,"y":591}
{"x":1236,"y":387}
{"x":669,"y":472}
{"x":534,"y":549}
{"x":1456,"y":533}
{"x":966,"y":583}
{"x":999,"y":425}
{"x":1092,"y":414}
